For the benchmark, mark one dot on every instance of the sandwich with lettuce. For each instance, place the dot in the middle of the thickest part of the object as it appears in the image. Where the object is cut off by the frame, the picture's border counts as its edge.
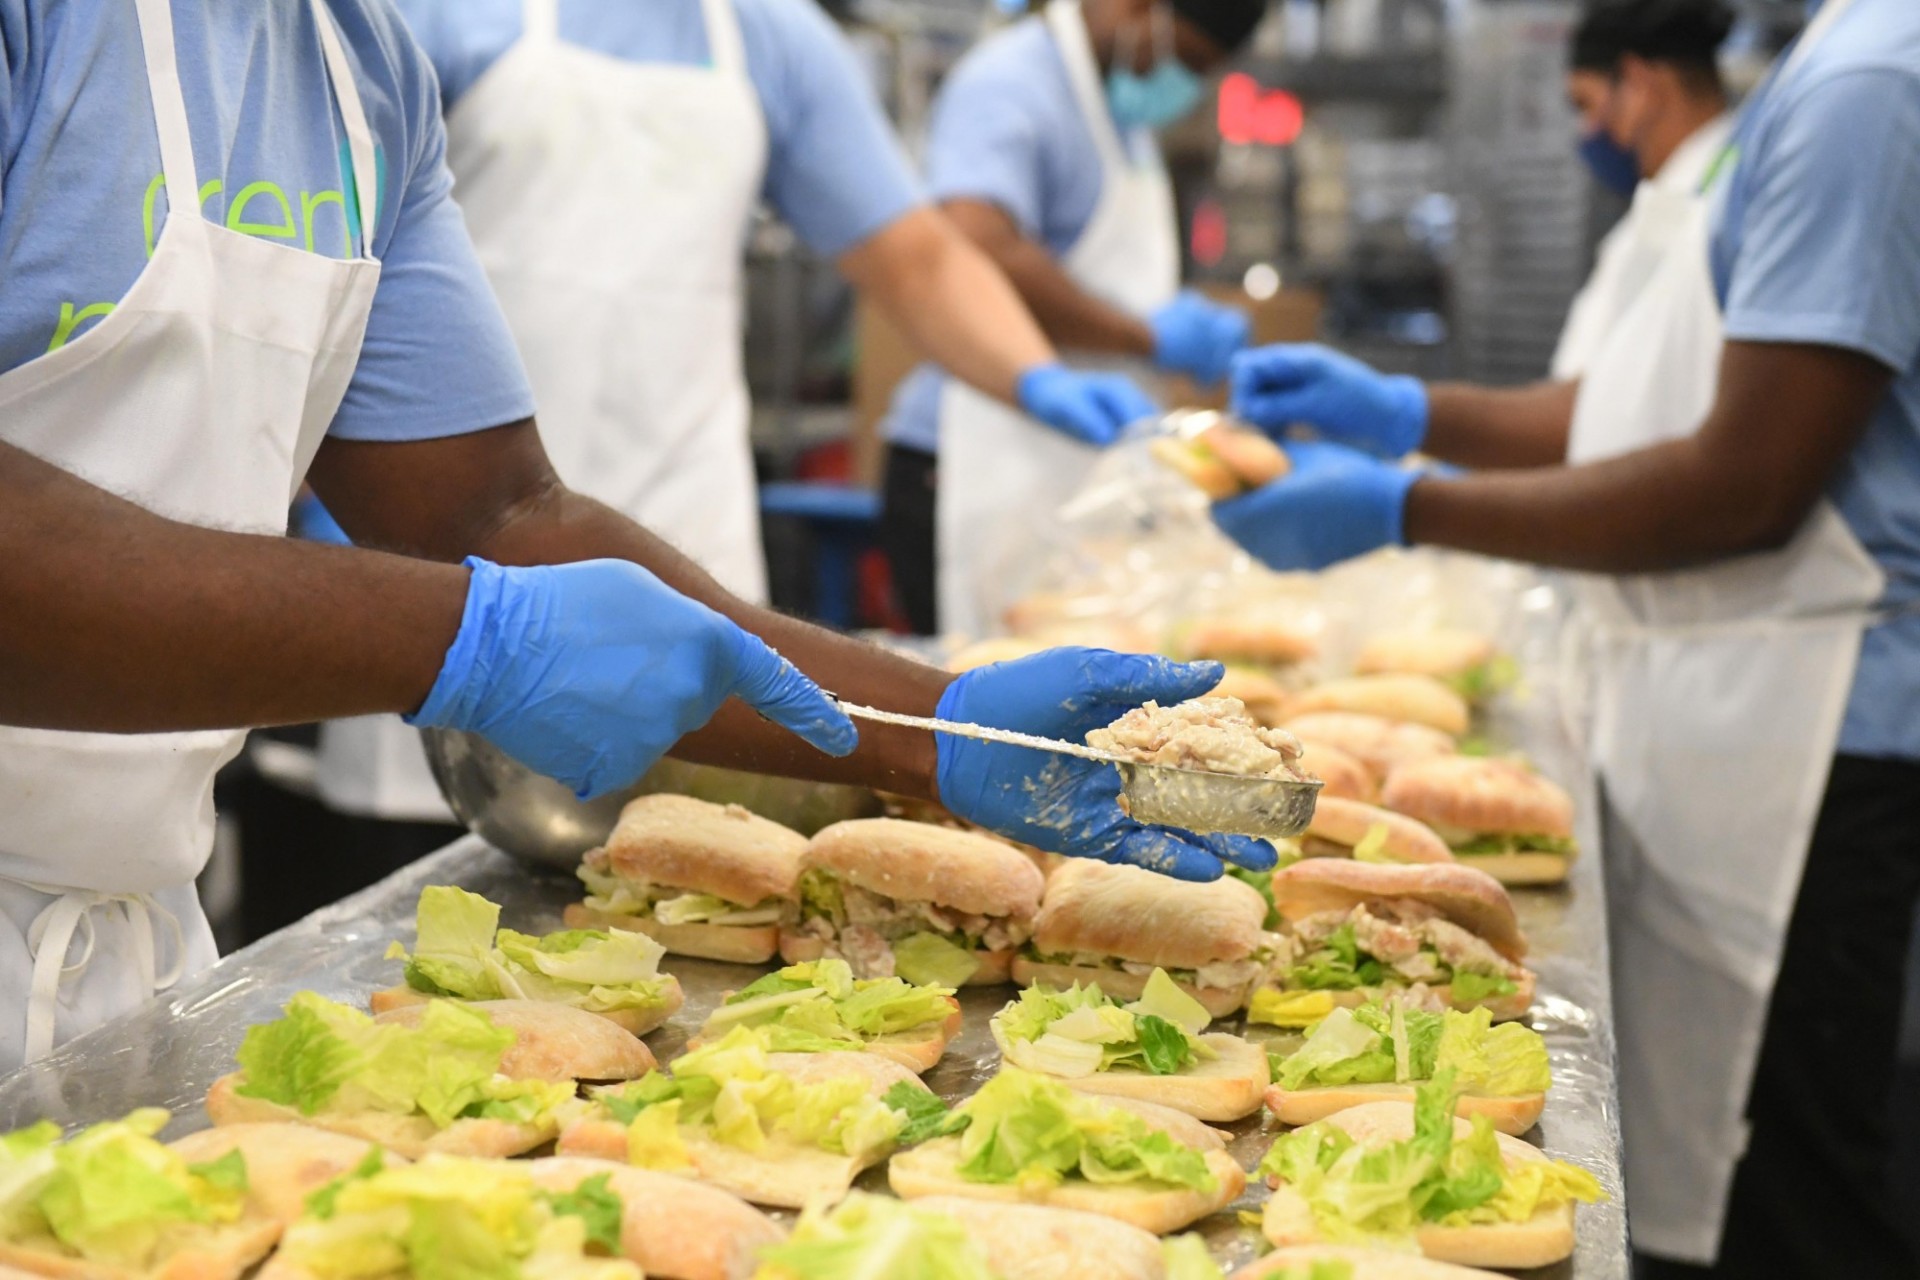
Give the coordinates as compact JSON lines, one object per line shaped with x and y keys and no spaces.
{"x":1437,"y":935}
{"x":1111,"y":926}
{"x":1465,"y":661}
{"x":1027,"y":1139}
{"x":461,"y":953}
{"x":1495,"y":812}
{"x":1353,"y":1262}
{"x":700,"y":879}
{"x":448,"y":1218}
{"x":1414,"y":1177}
{"x":929,"y":904}
{"x":439,"y":1077}
{"x":819,"y":1006}
{"x":1385,"y":1051}
{"x":950,"y":1238}
{"x":1156,"y":1048}
{"x":675,"y":1228}
{"x":112,"y":1202}
{"x":772,"y":1128}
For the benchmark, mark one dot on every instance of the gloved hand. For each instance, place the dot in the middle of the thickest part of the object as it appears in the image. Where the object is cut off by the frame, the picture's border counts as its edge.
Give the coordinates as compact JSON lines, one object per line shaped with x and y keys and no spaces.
{"x":1198,"y":337}
{"x":1341,"y":398}
{"x":1336,"y":503}
{"x":589,"y":672}
{"x":1061,"y":803}
{"x":1091,"y":407}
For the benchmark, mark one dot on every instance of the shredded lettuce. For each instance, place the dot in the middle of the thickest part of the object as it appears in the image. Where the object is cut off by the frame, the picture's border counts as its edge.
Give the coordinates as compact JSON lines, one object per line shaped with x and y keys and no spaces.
{"x":1287,"y":853}
{"x":457,"y":954}
{"x":1337,"y":964}
{"x":1027,"y":1131}
{"x":112,"y":1194}
{"x":931,"y":960}
{"x":1493,"y":844}
{"x":1186,"y":1258}
{"x":820,"y":895}
{"x":445,"y":1218}
{"x":865,"y":1237}
{"x":730,"y":1092}
{"x":1382,"y":1193}
{"x":926,"y":1114}
{"x":1373,"y":845}
{"x":1081,"y":1031}
{"x":1485,"y":680}
{"x":1376,"y":1044}
{"x":819,"y":1006}
{"x":322,"y":1056}
{"x":1468,"y":987}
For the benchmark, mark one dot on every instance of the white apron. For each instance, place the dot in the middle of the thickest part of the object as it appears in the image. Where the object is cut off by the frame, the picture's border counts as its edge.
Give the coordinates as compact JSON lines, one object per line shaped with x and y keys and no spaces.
{"x":1630,"y":252}
{"x":1719,"y":697}
{"x":610,"y":202}
{"x":202,"y":397}
{"x":1002,"y":474}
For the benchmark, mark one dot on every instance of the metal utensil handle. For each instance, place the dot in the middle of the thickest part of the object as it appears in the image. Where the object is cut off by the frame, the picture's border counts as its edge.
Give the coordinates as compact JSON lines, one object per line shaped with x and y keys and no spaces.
{"x":978,"y":731}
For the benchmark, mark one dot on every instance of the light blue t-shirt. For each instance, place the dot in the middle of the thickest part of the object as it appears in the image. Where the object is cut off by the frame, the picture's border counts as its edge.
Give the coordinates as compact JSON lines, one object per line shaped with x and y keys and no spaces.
{"x":1007,"y":129}
{"x":835,"y":170}
{"x":82,"y":202}
{"x":1818,"y":241}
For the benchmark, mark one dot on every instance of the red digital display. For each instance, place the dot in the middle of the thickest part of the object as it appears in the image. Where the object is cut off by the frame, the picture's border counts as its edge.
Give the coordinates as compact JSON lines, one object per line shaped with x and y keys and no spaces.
{"x":1251,"y":114}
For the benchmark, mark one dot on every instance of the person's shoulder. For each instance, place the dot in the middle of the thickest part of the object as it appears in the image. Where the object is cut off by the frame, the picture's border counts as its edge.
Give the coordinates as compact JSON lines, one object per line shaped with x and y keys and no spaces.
{"x":796,"y":26}
{"x":1020,"y":61}
{"x":1874,"y":49}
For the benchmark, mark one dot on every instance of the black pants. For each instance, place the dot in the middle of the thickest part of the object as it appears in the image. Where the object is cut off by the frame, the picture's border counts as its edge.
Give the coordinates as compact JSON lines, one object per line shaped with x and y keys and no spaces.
{"x":1812,"y":1195}
{"x":907,"y":534}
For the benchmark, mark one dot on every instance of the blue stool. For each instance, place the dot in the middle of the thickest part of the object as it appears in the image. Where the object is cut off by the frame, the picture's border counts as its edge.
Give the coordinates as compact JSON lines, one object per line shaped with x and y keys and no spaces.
{"x":844,"y":521}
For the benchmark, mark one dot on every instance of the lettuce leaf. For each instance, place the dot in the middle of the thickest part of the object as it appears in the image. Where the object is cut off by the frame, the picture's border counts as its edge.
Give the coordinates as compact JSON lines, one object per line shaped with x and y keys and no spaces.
{"x":461,"y":952}
{"x":26,"y":1165}
{"x":112,"y":1193}
{"x":1341,"y":1050}
{"x":810,"y":1008}
{"x":595,"y":1204}
{"x":820,"y":895}
{"x":1162,"y":998}
{"x":1337,"y":965}
{"x":654,"y":1141}
{"x":1373,"y":845}
{"x":866,"y":1237}
{"x":1081,"y":1031}
{"x":1495,"y":1061}
{"x":445,"y":1218}
{"x":927,"y":959}
{"x":1494,"y":844}
{"x":1164,"y":1047}
{"x":1186,"y":1258}
{"x":1480,"y":986}
{"x":1030,"y":1132}
{"x":923,"y":1113}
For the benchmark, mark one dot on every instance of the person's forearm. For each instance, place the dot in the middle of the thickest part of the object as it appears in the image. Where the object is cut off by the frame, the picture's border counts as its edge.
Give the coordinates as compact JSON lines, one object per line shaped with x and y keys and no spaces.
{"x":113,"y":619}
{"x":950,"y":301}
{"x":1492,"y":428}
{"x":494,"y":495}
{"x":1073,"y":318}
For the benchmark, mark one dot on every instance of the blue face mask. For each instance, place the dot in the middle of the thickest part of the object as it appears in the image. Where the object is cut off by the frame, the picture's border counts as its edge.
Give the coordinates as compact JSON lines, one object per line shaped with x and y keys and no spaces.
{"x":1161,"y":96}
{"x":1616,"y":167}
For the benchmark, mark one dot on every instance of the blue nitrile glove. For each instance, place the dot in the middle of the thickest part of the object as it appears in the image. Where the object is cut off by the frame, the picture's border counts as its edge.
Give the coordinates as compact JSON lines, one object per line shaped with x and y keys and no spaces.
{"x":1061,"y":803}
{"x":1198,"y":337}
{"x":1336,"y":503}
{"x":1091,"y":407}
{"x":589,"y":672}
{"x":1339,"y":397}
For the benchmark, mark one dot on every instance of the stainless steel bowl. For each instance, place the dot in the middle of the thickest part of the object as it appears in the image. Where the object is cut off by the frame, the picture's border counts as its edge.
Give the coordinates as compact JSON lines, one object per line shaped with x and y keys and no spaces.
{"x":538,"y":820}
{"x":1230,"y":804}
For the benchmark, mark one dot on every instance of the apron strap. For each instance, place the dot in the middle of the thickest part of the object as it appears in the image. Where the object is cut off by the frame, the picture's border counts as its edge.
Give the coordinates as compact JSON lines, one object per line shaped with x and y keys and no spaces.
{"x":1069,"y":28}
{"x":353,"y":115}
{"x":724,"y":44}
{"x":50,"y":937}
{"x":540,"y":21}
{"x":169,"y":106}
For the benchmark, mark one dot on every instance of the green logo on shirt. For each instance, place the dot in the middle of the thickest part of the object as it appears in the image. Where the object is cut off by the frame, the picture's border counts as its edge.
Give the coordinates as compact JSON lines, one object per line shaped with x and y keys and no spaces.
{"x":260,"y":209}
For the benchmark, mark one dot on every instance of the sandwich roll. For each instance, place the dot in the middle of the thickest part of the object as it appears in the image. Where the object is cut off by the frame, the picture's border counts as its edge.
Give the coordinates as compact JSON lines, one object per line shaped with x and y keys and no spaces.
{"x":286,"y":1163}
{"x":1199,"y":467}
{"x":975,"y":1164}
{"x":1111,"y":926}
{"x":1223,"y":461}
{"x":635,"y":1022}
{"x":701,"y":879}
{"x":806,"y":1008}
{"x":1255,"y":642}
{"x":1498,"y":814}
{"x":552,"y":1041}
{"x":760,"y":1156}
{"x":674,"y":1228}
{"x":1441,"y":653}
{"x":1544,"y":1238}
{"x":1513,"y":1116}
{"x":1340,"y":772}
{"x":1340,"y":826}
{"x":1408,"y":699}
{"x":1298,"y":1263}
{"x":1035,"y":1242}
{"x":926,"y":903}
{"x":1380,"y":744}
{"x":1264,"y":697}
{"x":1222,"y":1088}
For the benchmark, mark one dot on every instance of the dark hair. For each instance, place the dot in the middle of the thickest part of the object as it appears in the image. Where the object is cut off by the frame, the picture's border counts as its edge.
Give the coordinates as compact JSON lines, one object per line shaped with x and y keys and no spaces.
{"x":1685,"y":33}
{"x":1228,"y":23}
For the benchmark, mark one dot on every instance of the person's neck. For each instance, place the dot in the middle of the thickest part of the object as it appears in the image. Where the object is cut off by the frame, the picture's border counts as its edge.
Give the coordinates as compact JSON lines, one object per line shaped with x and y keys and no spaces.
{"x":1690,"y":116}
{"x":1102,"y":21}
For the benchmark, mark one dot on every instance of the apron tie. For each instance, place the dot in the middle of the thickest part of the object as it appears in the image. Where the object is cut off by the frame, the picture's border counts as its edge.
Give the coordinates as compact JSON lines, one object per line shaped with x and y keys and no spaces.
{"x":50,"y":937}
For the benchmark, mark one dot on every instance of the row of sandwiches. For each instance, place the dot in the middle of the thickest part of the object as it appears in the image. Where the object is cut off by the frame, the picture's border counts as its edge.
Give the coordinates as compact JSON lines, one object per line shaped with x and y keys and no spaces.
{"x":1379,"y":906}
{"x":375,"y":1144}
